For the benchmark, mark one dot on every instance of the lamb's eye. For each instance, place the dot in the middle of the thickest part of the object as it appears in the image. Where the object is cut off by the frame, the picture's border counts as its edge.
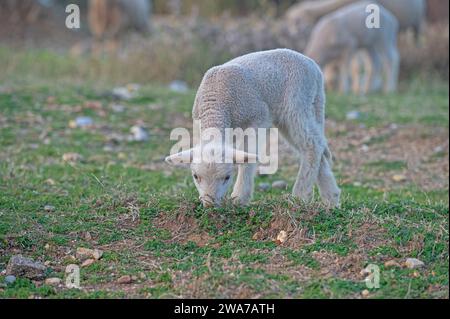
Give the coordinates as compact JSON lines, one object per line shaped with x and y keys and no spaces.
{"x":196,"y":177}
{"x":226,"y":179}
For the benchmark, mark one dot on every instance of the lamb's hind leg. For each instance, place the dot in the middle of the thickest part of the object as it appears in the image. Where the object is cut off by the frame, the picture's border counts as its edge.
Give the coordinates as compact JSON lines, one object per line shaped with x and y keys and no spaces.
{"x":309,"y":152}
{"x":329,"y":191}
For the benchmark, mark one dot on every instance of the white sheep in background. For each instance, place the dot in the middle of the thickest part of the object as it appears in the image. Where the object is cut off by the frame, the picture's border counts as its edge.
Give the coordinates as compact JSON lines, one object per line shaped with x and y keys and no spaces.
{"x":338,"y":36}
{"x":409,"y":13}
{"x":280,"y":88}
{"x":308,"y":13}
{"x":411,"y":16}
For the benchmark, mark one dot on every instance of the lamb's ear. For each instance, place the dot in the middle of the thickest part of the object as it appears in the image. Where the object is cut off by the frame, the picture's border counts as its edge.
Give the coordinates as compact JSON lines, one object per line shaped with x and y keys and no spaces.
{"x":180,"y":159}
{"x":240,"y":157}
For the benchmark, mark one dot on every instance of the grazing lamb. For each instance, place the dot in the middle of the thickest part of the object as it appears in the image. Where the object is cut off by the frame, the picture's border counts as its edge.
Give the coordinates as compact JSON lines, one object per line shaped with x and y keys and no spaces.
{"x":338,"y":36}
{"x":280,"y":88}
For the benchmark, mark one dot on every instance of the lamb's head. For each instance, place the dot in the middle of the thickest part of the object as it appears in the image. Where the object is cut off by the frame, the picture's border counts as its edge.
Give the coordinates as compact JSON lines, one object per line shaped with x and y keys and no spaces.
{"x":212,"y":181}
{"x":212,"y":170}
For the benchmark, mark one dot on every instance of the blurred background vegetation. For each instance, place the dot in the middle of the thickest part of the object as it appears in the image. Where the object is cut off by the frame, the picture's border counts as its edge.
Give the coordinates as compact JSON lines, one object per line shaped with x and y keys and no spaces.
{"x":187,"y":38}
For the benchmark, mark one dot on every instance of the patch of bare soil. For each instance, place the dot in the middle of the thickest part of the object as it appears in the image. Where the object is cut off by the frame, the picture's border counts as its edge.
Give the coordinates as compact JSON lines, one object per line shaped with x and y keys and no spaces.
{"x":424,"y":151}
{"x":183,"y":229}
{"x":297,"y":236}
{"x":368,"y":236}
{"x":280,"y":264}
{"x":344,"y":267}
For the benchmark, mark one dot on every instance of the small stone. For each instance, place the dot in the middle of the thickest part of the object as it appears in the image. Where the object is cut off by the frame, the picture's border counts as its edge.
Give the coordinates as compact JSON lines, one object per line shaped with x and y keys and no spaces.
{"x":122,"y":93}
{"x":365,"y":293}
{"x":118,"y":108}
{"x":87,"y":262}
{"x":279,"y":185}
{"x":86,"y":253}
{"x":178,"y":86}
{"x":81,"y":121}
{"x":365,"y":148}
{"x":9,"y":280}
{"x":393,"y":126}
{"x":47,"y":263}
{"x":53,"y":281}
{"x":20,"y":266}
{"x":414,"y":263}
{"x":97,"y":254}
{"x":438,"y":149}
{"x":50,"y":182}
{"x":392,"y":263}
{"x":399,"y":178}
{"x":72,"y":157}
{"x":124,"y":280}
{"x":353,"y":115}
{"x":87,"y":236}
{"x":142,"y":276}
{"x":264,"y":187}
{"x":49,"y":208}
{"x":282,"y":236}
{"x":133,"y":87}
{"x":138,"y":134}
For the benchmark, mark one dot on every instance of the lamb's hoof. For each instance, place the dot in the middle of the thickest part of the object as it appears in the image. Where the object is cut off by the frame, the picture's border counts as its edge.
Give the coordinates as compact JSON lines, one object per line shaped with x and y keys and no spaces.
{"x":332,"y":200}
{"x":240,"y":201}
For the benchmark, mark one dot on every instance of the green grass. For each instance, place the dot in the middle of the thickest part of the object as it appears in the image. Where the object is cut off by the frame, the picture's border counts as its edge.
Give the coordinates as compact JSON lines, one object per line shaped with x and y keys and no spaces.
{"x":147,"y":219}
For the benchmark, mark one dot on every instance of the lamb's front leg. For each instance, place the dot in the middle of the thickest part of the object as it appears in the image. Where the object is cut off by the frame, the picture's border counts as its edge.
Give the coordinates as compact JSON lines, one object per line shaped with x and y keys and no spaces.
{"x":243,"y":188}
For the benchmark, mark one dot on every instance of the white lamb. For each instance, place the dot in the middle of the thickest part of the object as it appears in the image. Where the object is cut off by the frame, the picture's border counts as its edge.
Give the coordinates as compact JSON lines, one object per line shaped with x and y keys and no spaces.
{"x":338,"y":36}
{"x":307,"y":13}
{"x":280,"y":88}
{"x":409,"y":13}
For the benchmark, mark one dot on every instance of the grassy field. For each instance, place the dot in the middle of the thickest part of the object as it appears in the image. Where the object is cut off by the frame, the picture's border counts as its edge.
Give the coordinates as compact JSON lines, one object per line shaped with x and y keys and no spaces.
{"x":120,"y":197}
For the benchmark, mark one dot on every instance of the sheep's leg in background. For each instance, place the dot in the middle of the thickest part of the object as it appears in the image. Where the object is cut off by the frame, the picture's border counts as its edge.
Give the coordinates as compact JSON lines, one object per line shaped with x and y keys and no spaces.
{"x":331,"y":74}
{"x":374,"y":78}
{"x":356,"y":77}
{"x":344,"y":74}
{"x":391,"y":62}
{"x":243,"y":188}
